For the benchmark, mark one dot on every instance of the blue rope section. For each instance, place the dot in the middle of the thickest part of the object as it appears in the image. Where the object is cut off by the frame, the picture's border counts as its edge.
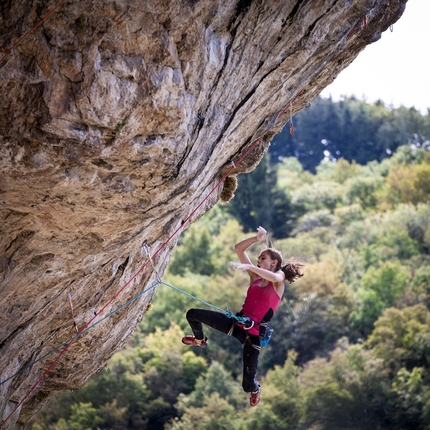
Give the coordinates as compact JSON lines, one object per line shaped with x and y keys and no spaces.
{"x":80,"y":333}
{"x":240,"y":319}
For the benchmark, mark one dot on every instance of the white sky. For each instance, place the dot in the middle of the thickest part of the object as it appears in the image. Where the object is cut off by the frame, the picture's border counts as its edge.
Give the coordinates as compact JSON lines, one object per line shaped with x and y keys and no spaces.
{"x":396,"y":68}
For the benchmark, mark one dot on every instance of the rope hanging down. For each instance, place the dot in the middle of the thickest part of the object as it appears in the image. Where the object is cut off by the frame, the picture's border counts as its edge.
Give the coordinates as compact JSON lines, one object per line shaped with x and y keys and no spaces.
{"x":181,"y":227}
{"x":240,"y":319}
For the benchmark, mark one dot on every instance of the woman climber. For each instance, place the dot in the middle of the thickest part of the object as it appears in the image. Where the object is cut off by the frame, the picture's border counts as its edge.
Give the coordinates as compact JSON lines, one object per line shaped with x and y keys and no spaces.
{"x":262,"y":299}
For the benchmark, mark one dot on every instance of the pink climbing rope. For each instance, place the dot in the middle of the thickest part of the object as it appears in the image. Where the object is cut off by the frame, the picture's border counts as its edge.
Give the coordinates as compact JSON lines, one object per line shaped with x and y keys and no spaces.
{"x":8,"y":51}
{"x":67,"y":346}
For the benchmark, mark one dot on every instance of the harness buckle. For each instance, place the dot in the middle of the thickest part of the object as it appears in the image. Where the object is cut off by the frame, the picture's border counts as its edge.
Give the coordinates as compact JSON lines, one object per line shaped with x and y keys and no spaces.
{"x":250,"y":326}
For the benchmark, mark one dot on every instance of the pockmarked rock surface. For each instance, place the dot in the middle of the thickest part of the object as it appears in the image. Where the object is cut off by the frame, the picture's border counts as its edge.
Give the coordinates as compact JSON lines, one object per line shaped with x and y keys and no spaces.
{"x":118,"y":120}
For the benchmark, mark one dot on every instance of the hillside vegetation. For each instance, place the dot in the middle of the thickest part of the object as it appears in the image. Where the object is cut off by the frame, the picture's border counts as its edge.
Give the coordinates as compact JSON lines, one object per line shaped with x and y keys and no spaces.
{"x":351,"y":347}
{"x":351,"y":129}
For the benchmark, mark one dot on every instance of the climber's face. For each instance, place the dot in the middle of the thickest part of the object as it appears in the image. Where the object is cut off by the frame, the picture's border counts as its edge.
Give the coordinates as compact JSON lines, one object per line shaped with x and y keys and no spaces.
{"x":266,"y":262}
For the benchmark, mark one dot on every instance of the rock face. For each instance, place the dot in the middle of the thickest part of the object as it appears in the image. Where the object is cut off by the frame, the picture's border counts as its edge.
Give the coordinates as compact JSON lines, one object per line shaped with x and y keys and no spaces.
{"x":119,"y":118}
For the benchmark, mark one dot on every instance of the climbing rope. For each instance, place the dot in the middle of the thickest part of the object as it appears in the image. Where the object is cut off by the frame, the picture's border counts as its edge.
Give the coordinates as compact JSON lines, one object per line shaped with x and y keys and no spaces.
{"x":361,"y":22}
{"x":176,"y":231}
{"x":66,"y":345}
{"x":8,"y":51}
{"x":28,"y":366}
{"x":238,"y":318}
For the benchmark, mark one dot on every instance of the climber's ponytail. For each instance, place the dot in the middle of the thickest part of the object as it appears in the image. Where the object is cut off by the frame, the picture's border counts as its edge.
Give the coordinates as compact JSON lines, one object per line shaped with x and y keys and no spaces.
{"x":292,"y":270}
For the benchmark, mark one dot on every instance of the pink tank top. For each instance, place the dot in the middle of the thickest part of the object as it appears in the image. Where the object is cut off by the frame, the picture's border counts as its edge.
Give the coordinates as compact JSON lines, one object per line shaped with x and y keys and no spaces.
{"x":258,"y":301}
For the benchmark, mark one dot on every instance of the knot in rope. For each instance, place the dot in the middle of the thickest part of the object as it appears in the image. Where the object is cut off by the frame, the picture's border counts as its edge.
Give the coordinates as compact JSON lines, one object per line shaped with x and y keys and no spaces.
{"x":239,"y":318}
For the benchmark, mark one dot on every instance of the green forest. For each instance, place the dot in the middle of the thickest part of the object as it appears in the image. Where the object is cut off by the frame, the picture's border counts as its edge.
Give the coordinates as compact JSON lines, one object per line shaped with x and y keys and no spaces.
{"x":351,"y":346}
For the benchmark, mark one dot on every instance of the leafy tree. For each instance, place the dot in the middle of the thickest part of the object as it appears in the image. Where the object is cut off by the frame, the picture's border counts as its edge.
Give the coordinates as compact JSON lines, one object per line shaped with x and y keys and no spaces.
{"x":410,"y":395}
{"x":84,"y":417}
{"x":359,"y":235}
{"x":401,"y":338}
{"x":312,"y":220}
{"x":391,"y":243}
{"x":194,"y":254}
{"x":202,"y":252}
{"x":291,"y":174}
{"x":212,"y":404}
{"x":318,"y":195}
{"x":420,"y":286}
{"x":345,"y":215}
{"x":411,"y":153}
{"x":215,"y":380}
{"x":330,"y":406}
{"x":416,"y":219}
{"x":388,"y":281}
{"x":339,"y":171}
{"x":409,"y":184}
{"x":348,"y":391}
{"x":365,"y":191}
{"x":215,"y":414}
{"x":222,"y":246}
{"x":117,"y":386}
{"x":381,"y":288}
{"x":282,"y":392}
{"x":166,"y":371}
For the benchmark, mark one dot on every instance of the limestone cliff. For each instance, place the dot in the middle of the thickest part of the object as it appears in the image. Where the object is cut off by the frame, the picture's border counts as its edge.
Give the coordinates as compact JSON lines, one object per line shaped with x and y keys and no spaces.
{"x":118,"y":118}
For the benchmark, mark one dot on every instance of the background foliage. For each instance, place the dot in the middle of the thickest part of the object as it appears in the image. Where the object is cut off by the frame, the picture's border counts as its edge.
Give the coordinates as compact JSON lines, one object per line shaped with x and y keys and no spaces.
{"x":351,"y":347}
{"x":350,"y":129}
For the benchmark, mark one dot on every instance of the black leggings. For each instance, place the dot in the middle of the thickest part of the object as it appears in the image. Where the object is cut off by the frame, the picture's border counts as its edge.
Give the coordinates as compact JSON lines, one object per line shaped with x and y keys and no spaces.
{"x":250,"y":343}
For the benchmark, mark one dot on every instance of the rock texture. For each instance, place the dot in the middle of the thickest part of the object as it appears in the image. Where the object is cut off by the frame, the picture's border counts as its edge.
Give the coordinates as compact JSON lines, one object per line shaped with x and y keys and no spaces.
{"x":118,"y":118}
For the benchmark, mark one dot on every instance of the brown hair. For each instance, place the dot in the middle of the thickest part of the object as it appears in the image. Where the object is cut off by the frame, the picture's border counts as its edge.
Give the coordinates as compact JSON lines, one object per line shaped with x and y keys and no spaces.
{"x":293,"y":270}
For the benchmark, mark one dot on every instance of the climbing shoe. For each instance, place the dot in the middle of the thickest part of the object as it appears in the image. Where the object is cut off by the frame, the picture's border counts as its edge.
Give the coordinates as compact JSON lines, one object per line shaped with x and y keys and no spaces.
{"x":254,"y":397}
{"x":191,"y":340}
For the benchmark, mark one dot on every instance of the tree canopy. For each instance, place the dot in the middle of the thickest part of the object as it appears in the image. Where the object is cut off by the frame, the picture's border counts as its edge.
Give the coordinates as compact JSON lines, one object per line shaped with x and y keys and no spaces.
{"x":351,"y":129}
